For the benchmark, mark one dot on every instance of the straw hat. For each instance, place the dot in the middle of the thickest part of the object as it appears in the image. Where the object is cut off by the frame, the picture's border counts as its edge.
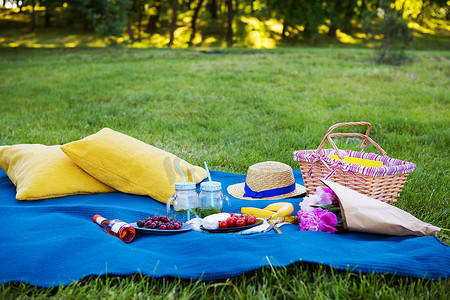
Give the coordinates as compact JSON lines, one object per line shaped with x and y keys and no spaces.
{"x":269,"y":180}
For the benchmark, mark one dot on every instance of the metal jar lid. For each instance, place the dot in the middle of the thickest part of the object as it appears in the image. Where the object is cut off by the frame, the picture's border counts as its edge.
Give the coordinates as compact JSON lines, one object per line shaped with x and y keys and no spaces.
{"x":210,"y":186}
{"x":185,"y":186}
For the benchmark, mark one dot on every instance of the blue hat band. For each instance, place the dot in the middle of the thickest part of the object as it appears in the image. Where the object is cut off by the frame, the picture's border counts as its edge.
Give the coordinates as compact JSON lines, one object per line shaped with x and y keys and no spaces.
{"x":268,"y":193}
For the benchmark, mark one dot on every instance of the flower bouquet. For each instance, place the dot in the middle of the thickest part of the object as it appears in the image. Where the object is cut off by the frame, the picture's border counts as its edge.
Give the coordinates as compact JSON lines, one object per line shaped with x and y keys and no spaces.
{"x":337,"y":206}
{"x":320,"y":211}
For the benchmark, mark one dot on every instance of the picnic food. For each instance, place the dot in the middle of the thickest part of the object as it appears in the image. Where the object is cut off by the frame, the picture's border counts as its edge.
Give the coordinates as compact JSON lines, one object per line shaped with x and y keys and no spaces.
{"x":282,"y":209}
{"x":117,"y":228}
{"x":225,"y":220}
{"x":240,"y":223}
{"x":237,"y":220}
{"x":223,"y":224}
{"x":159,"y":222}
{"x":273,"y":211}
{"x":212,"y":221}
{"x":257,"y":212}
{"x":231,"y":221}
{"x":251,"y":220}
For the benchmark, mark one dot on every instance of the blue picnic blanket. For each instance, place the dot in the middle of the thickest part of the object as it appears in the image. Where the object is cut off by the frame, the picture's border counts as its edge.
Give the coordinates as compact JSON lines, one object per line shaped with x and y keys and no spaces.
{"x":54,"y":241}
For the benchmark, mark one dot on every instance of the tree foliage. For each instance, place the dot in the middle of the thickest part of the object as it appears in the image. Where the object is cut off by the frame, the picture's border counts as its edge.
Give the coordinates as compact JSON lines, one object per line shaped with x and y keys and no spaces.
{"x":387,"y":21}
{"x":112,"y":21}
{"x":299,"y":19}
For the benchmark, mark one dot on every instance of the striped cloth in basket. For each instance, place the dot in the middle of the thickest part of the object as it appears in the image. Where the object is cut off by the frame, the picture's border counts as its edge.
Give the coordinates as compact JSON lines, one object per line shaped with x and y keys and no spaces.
{"x":391,"y":166}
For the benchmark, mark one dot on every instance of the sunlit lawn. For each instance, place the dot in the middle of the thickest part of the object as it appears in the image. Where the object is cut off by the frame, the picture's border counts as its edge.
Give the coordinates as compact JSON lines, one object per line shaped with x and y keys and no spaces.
{"x":234,"y":108}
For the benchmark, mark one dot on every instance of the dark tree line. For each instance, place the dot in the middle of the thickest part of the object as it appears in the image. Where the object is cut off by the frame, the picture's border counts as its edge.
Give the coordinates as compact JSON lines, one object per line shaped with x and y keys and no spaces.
{"x":112,"y":18}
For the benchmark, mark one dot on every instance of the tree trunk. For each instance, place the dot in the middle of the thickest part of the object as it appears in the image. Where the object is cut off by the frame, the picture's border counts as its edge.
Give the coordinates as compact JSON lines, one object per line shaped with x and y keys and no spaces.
{"x":332,"y":31}
{"x":194,"y":21}
{"x":383,"y":50}
{"x":173,"y":26}
{"x":362,"y":8}
{"x":213,"y":9}
{"x":139,"y":23}
{"x":230,"y":23}
{"x":283,"y":31}
{"x":129,"y":31}
{"x":33,"y":17}
{"x":47,"y":17}
{"x":154,"y":19}
{"x":347,"y":27}
{"x":85,"y":25}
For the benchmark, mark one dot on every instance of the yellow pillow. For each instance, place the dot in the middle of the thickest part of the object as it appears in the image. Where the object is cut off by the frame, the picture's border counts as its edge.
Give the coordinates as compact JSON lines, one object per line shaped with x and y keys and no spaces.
{"x":131,"y":166}
{"x":41,"y":172}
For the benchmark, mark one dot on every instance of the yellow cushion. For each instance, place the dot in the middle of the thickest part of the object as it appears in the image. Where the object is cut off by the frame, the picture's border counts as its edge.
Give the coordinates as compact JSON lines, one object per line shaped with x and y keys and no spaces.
{"x":41,"y":172}
{"x":131,"y":166}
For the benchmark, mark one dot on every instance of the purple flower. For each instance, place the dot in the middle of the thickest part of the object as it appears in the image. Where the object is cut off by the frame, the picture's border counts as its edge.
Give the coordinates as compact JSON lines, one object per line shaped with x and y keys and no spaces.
{"x":305,"y":205}
{"x":317,"y":220}
{"x":308,"y":220}
{"x":326,"y":195}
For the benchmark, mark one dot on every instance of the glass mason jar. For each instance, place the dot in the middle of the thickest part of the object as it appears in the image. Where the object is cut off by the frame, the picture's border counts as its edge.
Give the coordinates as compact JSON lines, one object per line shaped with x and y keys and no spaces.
{"x":185,"y":201}
{"x":211,"y":198}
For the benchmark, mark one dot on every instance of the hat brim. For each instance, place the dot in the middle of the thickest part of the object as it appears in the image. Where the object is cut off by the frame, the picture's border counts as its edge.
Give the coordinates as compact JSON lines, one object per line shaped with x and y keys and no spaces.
{"x":237,"y":191}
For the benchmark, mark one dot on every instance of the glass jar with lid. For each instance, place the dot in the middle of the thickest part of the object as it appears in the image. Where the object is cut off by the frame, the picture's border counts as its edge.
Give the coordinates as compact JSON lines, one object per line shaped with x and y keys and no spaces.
{"x":185,"y":201}
{"x":211,"y":198}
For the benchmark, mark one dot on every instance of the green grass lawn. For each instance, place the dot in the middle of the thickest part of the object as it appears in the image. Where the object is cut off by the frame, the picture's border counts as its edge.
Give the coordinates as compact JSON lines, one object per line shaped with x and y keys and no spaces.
{"x":234,"y":108}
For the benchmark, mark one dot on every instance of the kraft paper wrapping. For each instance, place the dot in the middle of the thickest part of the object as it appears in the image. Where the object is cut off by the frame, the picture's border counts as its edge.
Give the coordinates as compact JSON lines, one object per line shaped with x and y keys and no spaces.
{"x":365,"y":214}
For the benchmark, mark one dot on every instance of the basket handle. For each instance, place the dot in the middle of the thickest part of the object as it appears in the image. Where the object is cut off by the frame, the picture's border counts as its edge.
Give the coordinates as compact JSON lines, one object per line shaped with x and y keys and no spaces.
{"x":365,"y":136}
{"x":364,"y":143}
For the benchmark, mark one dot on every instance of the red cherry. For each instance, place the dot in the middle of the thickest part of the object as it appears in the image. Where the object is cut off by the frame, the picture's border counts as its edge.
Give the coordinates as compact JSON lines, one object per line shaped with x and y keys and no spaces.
{"x":223,"y":224}
{"x":231,"y":222}
{"x":240,"y":222}
{"x":251,"y":220}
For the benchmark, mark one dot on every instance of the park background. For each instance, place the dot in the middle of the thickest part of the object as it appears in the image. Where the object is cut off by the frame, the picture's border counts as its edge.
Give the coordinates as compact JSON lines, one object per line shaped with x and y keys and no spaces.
{"x":235,"y":83}
{"x":400,"y":24}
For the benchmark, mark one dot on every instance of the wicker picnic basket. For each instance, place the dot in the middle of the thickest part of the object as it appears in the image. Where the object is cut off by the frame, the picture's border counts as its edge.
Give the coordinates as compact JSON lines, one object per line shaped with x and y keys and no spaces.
{"x":383,"y":183}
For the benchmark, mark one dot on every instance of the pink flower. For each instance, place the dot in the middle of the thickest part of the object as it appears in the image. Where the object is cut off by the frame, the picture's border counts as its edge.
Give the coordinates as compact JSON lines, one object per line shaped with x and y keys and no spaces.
{"x":317,"y":220}
{"x":326,"y":195}
{"x":308,"y":220}
{"x":305,"y":205}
